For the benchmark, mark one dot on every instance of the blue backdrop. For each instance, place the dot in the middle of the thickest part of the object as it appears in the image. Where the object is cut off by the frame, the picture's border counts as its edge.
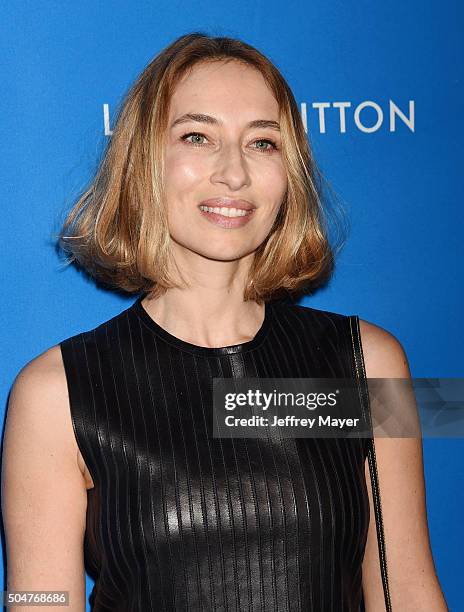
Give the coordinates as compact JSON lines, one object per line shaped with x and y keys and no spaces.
{"x":381,"y":89}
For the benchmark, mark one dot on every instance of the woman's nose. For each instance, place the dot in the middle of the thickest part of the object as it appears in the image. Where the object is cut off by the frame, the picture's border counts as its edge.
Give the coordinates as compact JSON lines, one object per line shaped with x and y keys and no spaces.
{"x":231,"y":167}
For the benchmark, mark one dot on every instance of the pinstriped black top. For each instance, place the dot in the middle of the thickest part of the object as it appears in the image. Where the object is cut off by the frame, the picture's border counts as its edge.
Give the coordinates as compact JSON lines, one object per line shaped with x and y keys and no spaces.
{"x":178,"y":520}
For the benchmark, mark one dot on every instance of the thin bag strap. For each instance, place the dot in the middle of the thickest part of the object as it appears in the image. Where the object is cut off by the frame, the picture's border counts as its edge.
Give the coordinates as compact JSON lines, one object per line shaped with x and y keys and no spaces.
{"x":364,"y":396}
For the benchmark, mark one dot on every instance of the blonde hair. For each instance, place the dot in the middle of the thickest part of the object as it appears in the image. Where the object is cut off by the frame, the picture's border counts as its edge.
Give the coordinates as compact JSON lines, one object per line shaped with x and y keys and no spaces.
{"x":117,"y":230}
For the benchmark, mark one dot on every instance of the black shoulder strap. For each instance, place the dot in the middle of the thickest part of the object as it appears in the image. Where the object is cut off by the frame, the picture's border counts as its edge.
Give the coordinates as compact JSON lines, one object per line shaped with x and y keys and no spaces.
{"x":364,"y":396}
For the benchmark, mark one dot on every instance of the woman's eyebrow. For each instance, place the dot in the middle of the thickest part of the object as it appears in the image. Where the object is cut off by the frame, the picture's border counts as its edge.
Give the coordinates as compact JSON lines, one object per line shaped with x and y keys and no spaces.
{"x":202,"y":118}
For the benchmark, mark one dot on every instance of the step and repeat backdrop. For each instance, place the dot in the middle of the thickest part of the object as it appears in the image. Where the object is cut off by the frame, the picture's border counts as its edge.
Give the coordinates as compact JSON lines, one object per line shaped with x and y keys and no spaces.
{"x":380,"y":90}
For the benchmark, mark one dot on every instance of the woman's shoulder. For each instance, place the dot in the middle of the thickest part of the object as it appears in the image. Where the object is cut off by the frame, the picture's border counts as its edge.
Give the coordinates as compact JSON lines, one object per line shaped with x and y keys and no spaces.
{"x":89,"y":335}
{"x":42,"y":375}
{"x":39,"y":392}
{"x":38,"y":403}
{"x":384,"y":354}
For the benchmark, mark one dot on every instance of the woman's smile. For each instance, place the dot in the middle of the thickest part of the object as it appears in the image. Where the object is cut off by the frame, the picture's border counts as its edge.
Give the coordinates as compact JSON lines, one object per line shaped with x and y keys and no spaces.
{"x":228,"y":218}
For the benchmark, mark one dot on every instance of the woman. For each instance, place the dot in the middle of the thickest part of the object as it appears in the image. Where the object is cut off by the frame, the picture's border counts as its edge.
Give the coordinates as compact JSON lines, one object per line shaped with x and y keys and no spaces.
{"x":206,"y":203}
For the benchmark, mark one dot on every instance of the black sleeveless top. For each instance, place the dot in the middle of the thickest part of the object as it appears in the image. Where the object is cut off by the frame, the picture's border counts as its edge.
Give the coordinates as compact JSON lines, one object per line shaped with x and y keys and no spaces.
{"x":178,"y":520}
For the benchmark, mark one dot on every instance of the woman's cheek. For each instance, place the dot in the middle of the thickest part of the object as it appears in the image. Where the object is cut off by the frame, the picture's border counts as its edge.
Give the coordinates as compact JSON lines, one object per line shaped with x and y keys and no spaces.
{"x":186,"y":168}
{"x":273,"y":177}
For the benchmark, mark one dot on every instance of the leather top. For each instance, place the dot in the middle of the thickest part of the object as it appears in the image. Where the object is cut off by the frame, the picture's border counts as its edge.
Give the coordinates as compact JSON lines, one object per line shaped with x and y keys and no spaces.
{"x":179,"y":520}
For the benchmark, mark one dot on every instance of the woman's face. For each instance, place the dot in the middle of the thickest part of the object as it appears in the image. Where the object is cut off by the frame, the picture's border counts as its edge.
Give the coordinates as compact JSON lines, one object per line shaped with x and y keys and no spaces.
{"x":219,"y":155}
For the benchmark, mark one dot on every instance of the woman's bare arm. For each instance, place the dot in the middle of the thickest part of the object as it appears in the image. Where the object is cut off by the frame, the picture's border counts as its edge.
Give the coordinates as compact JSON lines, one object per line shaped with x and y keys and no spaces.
{"x":44,"y":496}
{"x":412,"y":578}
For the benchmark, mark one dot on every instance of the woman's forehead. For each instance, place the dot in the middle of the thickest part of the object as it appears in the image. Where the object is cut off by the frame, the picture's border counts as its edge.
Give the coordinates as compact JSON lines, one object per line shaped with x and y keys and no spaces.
{"x":223,"y":88}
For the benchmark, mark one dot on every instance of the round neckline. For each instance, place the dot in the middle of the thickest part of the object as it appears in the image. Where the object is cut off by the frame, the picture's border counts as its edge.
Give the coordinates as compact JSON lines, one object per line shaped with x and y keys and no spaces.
{"x":243,"y":347}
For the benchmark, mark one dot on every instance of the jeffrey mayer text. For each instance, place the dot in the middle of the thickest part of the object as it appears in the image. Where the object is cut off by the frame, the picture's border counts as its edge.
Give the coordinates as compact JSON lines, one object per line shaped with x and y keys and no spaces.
{"x":289,"y":421}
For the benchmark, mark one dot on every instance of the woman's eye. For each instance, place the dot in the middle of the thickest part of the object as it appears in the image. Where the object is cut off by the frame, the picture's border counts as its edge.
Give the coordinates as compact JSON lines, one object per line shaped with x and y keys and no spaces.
{"x":266,"y":141}
{"x":196,"y":135}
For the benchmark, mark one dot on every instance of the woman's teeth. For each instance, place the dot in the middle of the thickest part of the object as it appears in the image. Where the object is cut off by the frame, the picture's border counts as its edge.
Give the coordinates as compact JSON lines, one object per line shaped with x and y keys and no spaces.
{"x":226,"y":212}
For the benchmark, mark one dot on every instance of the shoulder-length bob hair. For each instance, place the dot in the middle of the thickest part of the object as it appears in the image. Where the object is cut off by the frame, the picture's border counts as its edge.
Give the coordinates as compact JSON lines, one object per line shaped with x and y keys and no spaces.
{"x":117,"y":229}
